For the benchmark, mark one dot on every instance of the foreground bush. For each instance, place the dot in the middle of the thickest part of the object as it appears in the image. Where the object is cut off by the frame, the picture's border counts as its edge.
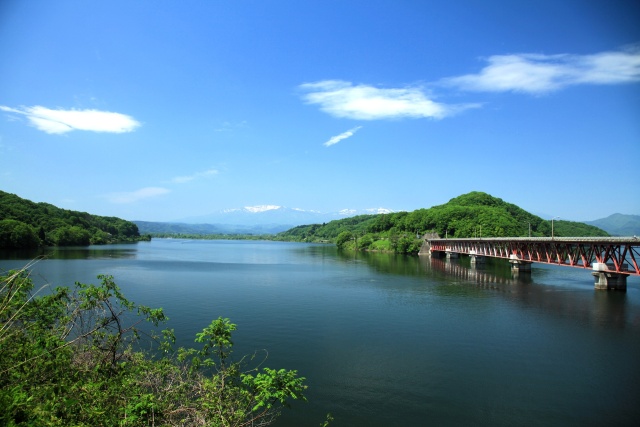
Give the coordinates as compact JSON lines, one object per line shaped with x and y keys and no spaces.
{"x":68,"y":358}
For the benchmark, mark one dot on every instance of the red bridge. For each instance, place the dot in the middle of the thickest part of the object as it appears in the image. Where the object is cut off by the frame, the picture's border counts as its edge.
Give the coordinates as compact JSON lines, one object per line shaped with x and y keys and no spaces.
{"x":612,"y":259}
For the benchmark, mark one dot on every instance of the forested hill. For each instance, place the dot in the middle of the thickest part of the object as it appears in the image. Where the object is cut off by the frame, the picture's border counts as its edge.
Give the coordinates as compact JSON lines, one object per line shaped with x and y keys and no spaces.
{"x":469,"y":215}
{"x":24,"y":224}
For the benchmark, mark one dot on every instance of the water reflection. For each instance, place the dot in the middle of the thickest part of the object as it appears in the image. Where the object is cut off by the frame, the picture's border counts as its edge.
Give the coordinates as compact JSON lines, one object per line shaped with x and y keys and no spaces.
{"x":484,"y":275}
{"x":385,"y":263}
{"x":586,"y":305}
{"x":123,"y":251}
{"x":535,"y":290}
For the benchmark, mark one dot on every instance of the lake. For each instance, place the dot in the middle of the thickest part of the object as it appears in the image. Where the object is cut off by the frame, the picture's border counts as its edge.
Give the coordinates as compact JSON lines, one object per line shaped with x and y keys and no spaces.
{"x":388,"y":340}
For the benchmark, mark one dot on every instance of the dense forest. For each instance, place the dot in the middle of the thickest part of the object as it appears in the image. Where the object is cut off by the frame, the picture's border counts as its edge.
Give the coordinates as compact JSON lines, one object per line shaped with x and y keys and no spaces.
{"x":26,"y":224}
{"x":475,"y":214}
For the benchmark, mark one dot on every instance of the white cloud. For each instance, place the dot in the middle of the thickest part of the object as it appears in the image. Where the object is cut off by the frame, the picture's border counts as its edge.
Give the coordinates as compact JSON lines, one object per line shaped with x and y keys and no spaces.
{"x":261,"y":208}
{"x":135,"y":196}
{"x":379,"y":210}
{"x":188,"y":178}
{"x":361,"y":102}
{"x":343,"y":135}
{"x":536,"y":73}
{"x":347,"y":211}
{"x":62,"y":121}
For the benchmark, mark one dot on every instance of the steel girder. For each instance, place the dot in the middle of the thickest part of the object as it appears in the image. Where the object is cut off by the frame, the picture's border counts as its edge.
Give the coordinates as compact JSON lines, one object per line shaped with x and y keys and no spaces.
{"x":621,"y":255}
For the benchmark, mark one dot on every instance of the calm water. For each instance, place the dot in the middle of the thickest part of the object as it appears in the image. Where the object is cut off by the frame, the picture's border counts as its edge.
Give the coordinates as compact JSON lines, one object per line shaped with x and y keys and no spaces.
{"x":387,"y":340}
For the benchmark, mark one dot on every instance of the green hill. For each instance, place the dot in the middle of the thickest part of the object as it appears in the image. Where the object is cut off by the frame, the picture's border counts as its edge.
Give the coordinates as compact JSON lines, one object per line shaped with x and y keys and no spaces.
{"x":25,"y":224}
{"x":475,"y":214}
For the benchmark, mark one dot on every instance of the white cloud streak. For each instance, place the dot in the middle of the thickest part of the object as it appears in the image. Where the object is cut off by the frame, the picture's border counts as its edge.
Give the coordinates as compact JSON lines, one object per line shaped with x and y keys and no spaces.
{"x":361,"y":102}
{"x":538,"y":74}
{"x":343,"y":135}
{"x":189,"y":178}
{"x":136,"y":196}
{"x":525,"y":73}
{"x":63,"y":121}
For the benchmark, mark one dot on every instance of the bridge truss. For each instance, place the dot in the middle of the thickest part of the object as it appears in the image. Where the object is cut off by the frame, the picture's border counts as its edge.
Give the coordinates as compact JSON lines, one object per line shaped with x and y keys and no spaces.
{"x":619,"y":255}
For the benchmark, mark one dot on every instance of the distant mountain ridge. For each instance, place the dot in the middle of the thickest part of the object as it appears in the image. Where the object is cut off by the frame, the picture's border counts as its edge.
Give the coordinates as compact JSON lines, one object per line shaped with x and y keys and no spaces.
{"x":165,"y":228}
{"x":619,"y":224}
{"x":261,"y":219}
{"x":274,"y":215}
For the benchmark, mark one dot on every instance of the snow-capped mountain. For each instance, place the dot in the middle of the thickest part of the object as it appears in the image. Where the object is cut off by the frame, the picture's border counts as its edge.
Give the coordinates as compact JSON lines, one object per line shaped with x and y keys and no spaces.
{"x":276,"y":215}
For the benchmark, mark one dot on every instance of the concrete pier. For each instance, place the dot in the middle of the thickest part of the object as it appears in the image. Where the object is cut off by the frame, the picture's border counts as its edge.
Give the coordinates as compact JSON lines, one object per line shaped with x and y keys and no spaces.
{"x":476,"y":259}
{"x":451,"y":254}
{"x":519,"y":265}
{"x":609,"y":280}
{"x":435,"y":254}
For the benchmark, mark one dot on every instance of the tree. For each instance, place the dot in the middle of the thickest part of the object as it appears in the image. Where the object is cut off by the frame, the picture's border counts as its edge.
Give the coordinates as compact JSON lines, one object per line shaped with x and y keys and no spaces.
{"x":343,"y":238}
{"x":71,"y":236}
{"x":16,"y":234}
{"x":407,"y":244}
{"x":366,"y":241}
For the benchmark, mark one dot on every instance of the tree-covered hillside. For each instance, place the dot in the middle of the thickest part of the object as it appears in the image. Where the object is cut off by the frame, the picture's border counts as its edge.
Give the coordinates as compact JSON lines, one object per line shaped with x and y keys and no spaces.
{"x":25,"y":224}
{"x":475,"y":214}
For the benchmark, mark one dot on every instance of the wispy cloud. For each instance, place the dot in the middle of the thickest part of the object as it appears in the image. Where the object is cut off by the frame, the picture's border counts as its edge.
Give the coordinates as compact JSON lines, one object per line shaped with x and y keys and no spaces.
{"x":343,"y":135}
{"x":227,"y":126}
{"x":362,"y":102}
{"x":63,"y":121}
{"x":135,"y":196}
{"x":188,"y":178}
{"x":537,"y":74}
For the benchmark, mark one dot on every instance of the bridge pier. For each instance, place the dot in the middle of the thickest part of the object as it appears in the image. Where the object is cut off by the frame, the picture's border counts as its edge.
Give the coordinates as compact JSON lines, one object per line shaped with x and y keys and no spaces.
{"x":607,"y":280}
{"x":519,"y":265}
{"x":435,"y":254}
{"x":476,"y":259}
{"x":451,"y":254}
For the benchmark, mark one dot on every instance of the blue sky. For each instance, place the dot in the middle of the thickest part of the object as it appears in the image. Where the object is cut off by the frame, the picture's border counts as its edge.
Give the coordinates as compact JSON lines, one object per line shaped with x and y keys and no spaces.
{"x":160,"y":110}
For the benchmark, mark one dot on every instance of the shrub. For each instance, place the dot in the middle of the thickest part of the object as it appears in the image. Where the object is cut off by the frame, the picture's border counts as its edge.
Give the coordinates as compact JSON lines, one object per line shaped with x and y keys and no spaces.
{"x":68,"y":358}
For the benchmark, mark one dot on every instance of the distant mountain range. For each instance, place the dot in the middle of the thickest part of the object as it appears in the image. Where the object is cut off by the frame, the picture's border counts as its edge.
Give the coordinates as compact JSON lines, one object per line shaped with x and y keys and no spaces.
{"x":272,"y":214}
{"x":272,"y":219}
{"x":619,"y":224}
{"x":263,"y":219}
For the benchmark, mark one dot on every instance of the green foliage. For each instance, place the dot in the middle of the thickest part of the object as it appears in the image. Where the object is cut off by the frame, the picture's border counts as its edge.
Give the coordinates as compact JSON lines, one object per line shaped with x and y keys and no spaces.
{"x":16,"y":234}
{"x":25,"y":224}
{"x":475,"y":214}
{"x":571,"y":229}
{"x":69,"y":358}
{"x":343,"y":238}
{"x":70,"y":236}
{"x":406,"y":244}
{"x":366,"y":241}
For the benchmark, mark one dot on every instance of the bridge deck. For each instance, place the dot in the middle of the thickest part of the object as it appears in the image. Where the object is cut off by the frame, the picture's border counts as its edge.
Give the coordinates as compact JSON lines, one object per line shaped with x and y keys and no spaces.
{"x":613,"y":254}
